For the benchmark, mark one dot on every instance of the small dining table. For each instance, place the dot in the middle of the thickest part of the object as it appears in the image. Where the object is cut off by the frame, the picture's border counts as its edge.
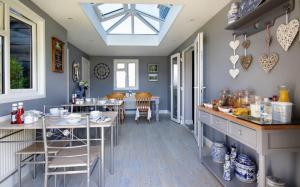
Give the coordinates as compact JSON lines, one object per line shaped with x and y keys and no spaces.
{"x":6,"y":125}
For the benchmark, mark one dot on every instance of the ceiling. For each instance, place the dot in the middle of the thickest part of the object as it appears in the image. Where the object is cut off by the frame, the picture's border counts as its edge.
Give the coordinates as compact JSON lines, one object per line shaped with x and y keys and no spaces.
{"x":83,"y":35}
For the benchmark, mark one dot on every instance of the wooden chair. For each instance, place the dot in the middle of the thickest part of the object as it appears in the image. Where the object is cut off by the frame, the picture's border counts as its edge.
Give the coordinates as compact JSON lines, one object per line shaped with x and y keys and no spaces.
{"x":118,"y":96}
{"x":76,"y":158}
{"x":143,"y":104}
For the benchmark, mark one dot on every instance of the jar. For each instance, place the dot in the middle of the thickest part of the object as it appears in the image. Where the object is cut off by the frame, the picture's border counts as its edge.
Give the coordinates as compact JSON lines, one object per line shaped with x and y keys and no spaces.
{"x":274,"y":182}
{"x":218,"y":151}
{"x":283,"y":94}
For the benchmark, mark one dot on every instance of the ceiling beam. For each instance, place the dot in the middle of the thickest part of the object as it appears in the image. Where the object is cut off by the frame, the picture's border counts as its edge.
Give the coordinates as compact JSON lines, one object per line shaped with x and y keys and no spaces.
{"x":146,"y":23}
{"x":150,"y":16}
{"x":118,"y":23}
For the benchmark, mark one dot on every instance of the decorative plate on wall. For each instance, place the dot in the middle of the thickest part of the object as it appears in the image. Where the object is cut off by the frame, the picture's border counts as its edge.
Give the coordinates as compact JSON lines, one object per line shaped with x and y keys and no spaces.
{"x":101,"y":71}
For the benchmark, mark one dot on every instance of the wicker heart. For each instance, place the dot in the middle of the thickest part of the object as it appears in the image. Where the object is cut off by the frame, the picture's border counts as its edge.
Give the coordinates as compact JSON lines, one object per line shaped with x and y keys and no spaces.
{"x":234,"y":44}
{"x":246,"y":61}
{"x":234,"y":59}
{"x":234,"y":73}
{"x":268,"y":62}
{"x":287,"y":33}
{"x":246,"y":44}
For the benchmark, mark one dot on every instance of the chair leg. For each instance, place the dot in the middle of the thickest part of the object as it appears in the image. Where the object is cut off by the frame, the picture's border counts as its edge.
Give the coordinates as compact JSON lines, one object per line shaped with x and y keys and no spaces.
{"x":46,"y":178}
{"x":64,"y":178}
{"x":88,"y":179}
{"x":19,"y":169}
{"x":34,"y":166}
{"x":99,"y":171}
{"x":55,"y":180}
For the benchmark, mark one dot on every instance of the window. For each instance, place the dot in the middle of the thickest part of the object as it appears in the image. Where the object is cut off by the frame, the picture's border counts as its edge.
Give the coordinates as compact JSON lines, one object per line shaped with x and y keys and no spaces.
{"x":126,"y":74}
{"x":22,"y":66}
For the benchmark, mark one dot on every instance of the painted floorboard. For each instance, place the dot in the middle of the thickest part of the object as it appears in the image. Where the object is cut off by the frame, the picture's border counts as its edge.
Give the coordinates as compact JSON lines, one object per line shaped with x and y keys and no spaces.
{"x":162,"y":154}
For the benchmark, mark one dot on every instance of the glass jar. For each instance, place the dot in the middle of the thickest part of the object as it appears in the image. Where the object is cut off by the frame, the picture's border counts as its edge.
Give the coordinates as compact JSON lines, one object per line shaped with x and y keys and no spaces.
{"x":283,"y":94}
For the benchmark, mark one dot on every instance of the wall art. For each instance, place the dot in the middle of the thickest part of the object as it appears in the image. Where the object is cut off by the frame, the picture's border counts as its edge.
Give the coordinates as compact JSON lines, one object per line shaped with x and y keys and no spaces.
{"x":57,"y":55}
{"x":101,"y":71}
{"x":152,"y":68}
{"x":153,"y":77}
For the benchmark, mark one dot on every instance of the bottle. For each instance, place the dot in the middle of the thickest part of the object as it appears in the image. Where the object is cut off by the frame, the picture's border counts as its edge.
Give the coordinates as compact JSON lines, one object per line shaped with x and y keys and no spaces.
{"x":20,"y":113}
{"x":283,"y":94}
{"x":267,"y":110}
{"x":73,"y":98}
{"x":13,"y":114}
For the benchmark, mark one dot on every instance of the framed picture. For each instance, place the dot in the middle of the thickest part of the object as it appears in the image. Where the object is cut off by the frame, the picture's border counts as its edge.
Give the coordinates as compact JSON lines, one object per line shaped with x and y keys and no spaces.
{"x":57,"y":55}
{"x":153,"y":77}
{"x":152,"y":68}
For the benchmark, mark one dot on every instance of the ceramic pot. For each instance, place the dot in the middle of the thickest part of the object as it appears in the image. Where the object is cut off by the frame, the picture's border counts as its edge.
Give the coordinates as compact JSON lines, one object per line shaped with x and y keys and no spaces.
{"x":245,"y":169}
{"x":218,"y":151}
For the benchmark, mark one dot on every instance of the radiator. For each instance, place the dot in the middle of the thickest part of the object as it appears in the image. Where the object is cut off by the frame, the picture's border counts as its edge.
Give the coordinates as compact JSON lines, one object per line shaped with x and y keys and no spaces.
{"x":8,"y":161}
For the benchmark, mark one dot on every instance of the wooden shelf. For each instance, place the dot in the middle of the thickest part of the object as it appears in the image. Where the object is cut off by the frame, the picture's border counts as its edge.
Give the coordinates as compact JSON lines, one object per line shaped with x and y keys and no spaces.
{"x":217,"y":170}
{"x":263,"y":15}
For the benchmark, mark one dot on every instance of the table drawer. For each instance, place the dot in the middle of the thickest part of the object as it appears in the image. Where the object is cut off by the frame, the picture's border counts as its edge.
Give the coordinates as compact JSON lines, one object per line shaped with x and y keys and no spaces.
{"x":205,"y":118}
{"x":219,"y":124}
{"x":242,"y":134}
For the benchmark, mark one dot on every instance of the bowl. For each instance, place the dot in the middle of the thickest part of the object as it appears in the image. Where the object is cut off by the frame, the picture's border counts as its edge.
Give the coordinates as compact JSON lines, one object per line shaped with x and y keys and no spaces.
{"x":208,"y":105}
{"x":224,"y":109}
{"x":74,"y":118}
{"x":95,"y":114}
{"x":54,"y":111}
{"x":88,"y":100}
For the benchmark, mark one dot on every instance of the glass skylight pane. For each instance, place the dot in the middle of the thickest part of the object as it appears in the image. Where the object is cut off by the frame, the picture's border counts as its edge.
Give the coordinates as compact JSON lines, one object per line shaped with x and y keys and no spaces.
{"x":153,"y":22}
{"x":109,"y":8}
{"x":141,"y":28}
{"x":131,"y":74}
{"x":123,"y":28}
{"x":121,"y":77}
{"x":107,"y":24}
{"x":151,"y":9}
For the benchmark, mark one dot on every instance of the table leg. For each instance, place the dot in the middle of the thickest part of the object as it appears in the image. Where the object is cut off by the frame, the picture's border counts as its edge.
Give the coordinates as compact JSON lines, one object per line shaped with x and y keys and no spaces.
{"x":112,"y":149}
{"x":157,"y":110}
{"x":117,"y":126}
{"x":102,"y":174}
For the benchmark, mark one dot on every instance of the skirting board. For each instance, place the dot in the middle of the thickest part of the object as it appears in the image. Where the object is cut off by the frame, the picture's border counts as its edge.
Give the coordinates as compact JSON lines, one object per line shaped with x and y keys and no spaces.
{"x":153,"y":112}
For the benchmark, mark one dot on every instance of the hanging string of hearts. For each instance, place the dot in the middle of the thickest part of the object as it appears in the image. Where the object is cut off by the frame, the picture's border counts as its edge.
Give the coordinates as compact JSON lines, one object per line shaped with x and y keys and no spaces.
{"x":268,"y":61}
{"x":234,"y":58}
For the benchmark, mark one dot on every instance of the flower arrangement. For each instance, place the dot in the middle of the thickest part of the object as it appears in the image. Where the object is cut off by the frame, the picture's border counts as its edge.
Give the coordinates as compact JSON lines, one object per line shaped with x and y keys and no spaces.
{"x":84,"y":84}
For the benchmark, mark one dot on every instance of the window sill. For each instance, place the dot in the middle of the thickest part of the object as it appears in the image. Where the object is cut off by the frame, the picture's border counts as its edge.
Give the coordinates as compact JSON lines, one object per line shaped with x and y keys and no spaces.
{"x":126,"y":89}
{"x":14,"y":97}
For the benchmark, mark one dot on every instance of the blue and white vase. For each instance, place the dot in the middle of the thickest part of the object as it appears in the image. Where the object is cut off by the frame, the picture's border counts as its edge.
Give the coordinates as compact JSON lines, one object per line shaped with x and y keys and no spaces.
{"x":233,"y":155}
{"x":245,"y":169}
{"x":227,"y":173}
{"x":218,"y":151}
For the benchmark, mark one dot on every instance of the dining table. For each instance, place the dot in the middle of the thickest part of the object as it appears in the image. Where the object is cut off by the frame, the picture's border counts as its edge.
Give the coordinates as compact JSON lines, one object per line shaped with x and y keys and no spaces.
{"x":63,"y":124}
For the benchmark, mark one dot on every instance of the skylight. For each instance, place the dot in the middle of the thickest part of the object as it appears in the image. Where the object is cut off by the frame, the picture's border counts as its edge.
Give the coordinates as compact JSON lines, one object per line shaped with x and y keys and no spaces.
{"x":131,"y":24}
{"x":132,"y":18}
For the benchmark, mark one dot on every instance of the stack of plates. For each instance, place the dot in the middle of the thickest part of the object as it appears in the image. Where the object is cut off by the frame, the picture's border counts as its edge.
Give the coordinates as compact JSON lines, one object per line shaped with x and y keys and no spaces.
{"x":245,"y":169}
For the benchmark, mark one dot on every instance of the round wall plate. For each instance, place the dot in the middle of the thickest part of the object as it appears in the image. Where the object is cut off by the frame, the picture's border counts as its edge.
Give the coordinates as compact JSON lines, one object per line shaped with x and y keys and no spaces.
{"x":101,"y":71}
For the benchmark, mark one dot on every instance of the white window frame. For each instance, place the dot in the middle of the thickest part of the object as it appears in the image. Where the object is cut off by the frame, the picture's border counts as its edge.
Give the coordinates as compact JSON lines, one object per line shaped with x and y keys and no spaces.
{"x":126,"y":62}
{"x":38,"y":89}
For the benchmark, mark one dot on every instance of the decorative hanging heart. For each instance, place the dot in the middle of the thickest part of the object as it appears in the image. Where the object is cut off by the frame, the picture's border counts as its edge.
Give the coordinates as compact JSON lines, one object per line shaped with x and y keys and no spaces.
{"x":268,"y":62}
{"x":287,"y":33}
{"x":234,"y":73}
{"x":234,"y":44}
{"x":246,"y":61}
{"x":234,"y":59}
{"x":246,"y":44}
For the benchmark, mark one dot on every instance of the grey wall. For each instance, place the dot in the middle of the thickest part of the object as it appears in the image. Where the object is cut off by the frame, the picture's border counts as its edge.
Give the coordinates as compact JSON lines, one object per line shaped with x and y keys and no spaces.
{"x":75,"y":55}
{"x":216,"y":77}
{"x":160,"y":88}
{"x":55,"y":93}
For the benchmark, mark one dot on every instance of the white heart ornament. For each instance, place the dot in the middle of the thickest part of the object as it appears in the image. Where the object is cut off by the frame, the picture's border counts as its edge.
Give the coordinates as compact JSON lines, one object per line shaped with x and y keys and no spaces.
{"x":287,"y":33}
{"x":234,"y":59}
{"x":234,"y":44}
{"x":234,"y":73}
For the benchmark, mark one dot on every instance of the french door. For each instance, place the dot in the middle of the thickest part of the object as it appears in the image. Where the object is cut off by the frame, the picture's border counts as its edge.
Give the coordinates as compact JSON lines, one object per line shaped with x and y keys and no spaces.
{"x":198,"y":82}
{"x":85,"y":72}
{"x":175,"y":87}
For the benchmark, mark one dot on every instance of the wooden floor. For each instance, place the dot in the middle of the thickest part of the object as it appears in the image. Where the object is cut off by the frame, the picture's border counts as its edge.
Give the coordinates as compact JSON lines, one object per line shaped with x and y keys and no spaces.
{"x":158,"y":155}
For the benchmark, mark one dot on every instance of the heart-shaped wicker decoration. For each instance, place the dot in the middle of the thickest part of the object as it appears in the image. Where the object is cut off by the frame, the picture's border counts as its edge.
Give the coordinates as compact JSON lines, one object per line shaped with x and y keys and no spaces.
{"x":246,"y":44}
{"x":268,"y":62}
{"x":234,"y":73}
{"x":234,"y":44}
{"x":234,"y":59}
{"x":246,"y":61}
{"x":287,"y":33}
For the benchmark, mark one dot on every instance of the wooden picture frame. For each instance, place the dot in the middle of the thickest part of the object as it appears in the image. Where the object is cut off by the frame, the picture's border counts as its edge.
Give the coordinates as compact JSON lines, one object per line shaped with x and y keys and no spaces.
{"x":152,"y":68}
{"x":58,"y":56}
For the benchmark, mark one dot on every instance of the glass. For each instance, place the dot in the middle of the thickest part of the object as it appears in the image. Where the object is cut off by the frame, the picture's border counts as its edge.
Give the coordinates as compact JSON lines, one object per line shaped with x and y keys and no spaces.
{"x":150,"y":9}
{"x":123,"y":28}
{"x":141,"y":28}
{"x":109,"y":8}
{"x":283,"y":94}
{"x":20,"y":54}
{"x":131,"y":74}
{"x":121,"y":79}
{"x":175,"y":86}
{"x":1,"y":65}
{"x":1,"y":16}
{"x":153,"y":22}
{"x":109,"y":23}
{"x":120,"y":66}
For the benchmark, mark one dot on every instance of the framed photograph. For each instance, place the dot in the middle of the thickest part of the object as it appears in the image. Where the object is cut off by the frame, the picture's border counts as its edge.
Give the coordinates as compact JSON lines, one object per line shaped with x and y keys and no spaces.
{"x":152,"y":68}
{"x":57,"y":55}
{"x":153,"y":77}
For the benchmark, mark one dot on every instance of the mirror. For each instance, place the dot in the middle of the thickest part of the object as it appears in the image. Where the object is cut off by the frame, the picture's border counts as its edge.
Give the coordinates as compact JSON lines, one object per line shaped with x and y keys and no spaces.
{"x":76,"y":71}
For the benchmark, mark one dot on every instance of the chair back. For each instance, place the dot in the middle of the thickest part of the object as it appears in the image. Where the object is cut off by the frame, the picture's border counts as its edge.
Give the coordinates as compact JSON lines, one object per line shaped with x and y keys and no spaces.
{"x":53,"y":134}
{"x":143,"y":100}
{"x":116,"y":95}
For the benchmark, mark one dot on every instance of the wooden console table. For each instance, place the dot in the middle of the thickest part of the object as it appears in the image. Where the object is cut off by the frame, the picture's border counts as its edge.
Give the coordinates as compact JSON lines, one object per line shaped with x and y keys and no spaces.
{"x":264,"y":140}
